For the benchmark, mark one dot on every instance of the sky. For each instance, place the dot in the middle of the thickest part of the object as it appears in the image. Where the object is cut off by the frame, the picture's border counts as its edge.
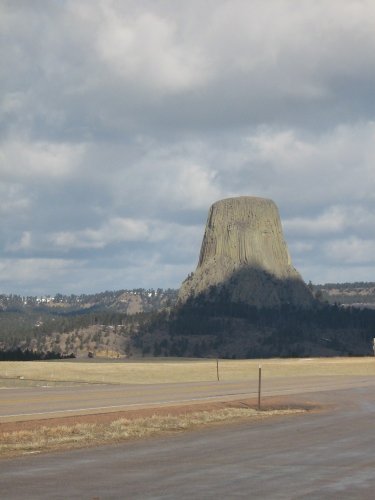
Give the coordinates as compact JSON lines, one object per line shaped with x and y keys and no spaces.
{"x":121,"y":122}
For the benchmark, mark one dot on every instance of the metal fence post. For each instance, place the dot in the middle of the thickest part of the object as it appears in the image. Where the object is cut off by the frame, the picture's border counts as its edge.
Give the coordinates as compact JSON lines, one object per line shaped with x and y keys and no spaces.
{"x":259,"y":385}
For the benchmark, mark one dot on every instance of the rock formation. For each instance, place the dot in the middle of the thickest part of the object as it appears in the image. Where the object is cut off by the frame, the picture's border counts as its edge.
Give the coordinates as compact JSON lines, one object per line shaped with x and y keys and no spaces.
{"x":244,"y":258}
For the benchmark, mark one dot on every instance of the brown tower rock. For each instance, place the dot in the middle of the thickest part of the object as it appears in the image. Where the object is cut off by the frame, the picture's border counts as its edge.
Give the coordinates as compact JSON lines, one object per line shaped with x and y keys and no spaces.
{"x":244,"y":258}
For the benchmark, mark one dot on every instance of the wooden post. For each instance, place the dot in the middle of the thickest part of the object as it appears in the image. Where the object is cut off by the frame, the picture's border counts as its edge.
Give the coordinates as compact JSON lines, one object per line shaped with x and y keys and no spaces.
{"x":259,"y":385}
{"x":217,"y":369}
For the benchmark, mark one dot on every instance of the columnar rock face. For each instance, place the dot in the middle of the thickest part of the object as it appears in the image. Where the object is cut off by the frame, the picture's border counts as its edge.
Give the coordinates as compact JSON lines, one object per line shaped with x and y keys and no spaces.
{"x":244,"y":257}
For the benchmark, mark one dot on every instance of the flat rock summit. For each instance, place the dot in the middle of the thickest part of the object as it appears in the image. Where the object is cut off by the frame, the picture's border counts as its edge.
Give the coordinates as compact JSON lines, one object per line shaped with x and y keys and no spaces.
{"x":244,"y":258}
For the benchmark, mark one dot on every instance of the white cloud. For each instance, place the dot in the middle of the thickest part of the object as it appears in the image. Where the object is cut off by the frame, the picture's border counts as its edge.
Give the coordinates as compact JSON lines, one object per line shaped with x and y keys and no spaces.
{"x":332,"y":221}
{"x":188,"y":185}
{"x":24,"y":243}
{"x":121,"y":122}
{"x":301,"y":247}
{"x":321,"y":170}
{"x":145,"y":49}
{"x":114,"y":231}
{"x":121,"y":230}
{"x":29,"y":271}
{"x":22,"y":160}
{"x":13,"y":199}
{"x":351,"y":251}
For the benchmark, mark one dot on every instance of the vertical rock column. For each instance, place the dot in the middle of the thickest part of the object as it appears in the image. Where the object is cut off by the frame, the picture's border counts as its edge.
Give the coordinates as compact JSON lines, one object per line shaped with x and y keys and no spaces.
{"x":244,"y":254}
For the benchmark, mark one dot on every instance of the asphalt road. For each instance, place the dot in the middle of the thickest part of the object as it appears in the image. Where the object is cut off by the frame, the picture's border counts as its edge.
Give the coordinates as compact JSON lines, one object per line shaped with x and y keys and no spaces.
{"x":324,"y":455}
{"x":17,"y":404}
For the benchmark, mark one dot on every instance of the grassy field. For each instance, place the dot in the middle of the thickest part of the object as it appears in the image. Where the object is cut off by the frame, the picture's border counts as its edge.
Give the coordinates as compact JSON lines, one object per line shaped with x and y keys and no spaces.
{"x":181,"y":370}
{"x":92,"y":434}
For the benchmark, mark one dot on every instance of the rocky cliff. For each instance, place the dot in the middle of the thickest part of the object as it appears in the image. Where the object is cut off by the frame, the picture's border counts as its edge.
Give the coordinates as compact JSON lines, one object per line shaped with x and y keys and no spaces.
{"x":244,"y":258}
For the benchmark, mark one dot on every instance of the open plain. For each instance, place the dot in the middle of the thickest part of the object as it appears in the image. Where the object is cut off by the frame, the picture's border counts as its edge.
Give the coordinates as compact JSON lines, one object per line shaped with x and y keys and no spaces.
{"x":325,"y":453}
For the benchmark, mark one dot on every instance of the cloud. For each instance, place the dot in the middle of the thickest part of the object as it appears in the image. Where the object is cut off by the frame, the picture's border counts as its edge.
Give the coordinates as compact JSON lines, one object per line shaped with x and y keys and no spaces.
{"x":110,"y":67}
{"x":351,"y":250}
{"x":145,"y":49}
{"x":335,"y":220}
{"x":38,"y":275}
{"x":13,"y":199}
{"x":332,"y":167}
{"x":21,"y":160}
{"x":121,"y":122}
{"x":24,"y":243}
{"x":116,"y":230}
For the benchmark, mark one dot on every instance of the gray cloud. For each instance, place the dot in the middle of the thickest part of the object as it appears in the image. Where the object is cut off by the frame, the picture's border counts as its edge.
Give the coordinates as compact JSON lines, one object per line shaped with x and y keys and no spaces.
{"x":121,"y":122}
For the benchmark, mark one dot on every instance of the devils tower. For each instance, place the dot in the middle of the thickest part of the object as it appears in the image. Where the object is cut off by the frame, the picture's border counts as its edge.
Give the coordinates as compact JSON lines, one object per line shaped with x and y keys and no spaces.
{"x":244,"y":258}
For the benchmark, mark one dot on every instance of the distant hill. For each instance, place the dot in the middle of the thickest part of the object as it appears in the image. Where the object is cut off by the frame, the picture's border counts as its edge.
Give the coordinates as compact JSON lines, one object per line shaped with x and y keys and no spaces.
{"x":359,"y":294}
{"x":142,"y":322}
{"x":127,"y":301}
{"x":100,"y":323}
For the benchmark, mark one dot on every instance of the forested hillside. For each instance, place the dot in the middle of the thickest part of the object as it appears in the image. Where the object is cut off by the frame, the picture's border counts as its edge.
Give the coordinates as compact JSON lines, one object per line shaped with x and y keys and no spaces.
{"x":243,"y":331}
{"x":146,"y":323}
{"x":78,"y":324}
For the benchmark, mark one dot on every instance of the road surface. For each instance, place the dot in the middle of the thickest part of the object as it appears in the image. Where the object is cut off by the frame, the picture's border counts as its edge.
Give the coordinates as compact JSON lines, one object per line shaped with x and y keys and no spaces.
{"x":29,"y":403}
{"x":324,"y":455}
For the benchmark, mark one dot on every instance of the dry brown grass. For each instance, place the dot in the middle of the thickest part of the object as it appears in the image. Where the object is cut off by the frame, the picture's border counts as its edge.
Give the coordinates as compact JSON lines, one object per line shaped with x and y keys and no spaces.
{"x":48,"y":438}
{"x":182,"y":370}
